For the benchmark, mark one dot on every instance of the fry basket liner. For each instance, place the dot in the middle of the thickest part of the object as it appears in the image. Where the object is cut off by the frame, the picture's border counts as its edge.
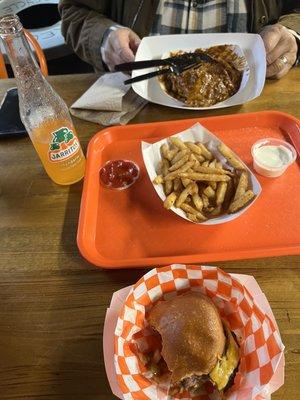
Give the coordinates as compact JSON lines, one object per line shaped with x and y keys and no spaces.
{"x":260,"y":344}
{"x":196,"y":133}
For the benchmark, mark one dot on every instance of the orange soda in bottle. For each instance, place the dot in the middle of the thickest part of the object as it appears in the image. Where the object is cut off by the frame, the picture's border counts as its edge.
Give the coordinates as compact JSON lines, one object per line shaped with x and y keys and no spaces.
{"x":44,"y":114}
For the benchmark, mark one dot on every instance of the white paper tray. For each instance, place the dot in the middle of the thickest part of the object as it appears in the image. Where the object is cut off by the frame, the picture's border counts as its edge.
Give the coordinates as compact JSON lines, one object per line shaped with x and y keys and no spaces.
{"x":154,"y":47}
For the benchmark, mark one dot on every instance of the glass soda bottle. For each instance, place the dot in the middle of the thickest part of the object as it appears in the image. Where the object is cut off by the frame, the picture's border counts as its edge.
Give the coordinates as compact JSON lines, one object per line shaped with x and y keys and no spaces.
{"x":44,"y":114}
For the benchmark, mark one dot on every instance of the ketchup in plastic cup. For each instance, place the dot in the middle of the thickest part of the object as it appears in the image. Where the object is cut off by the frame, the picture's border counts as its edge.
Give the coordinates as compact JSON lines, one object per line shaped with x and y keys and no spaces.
{"x":119,"y":174}
{"x":271,"y":157}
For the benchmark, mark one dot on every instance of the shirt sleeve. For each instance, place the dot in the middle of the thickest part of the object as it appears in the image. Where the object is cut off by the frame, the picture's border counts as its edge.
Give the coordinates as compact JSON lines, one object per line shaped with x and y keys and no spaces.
{"x":83,"y":27}
{"x":291,"y":21}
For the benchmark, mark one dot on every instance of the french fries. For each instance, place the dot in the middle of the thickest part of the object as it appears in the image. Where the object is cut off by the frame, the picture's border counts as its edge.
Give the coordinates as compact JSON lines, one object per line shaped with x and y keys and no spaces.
{"x":195,"y":176}
{"x":231,"y":158}
{"x":179,"y":163}
{"x":209,"y":192}
{"x":205,"y":152}
{"x":167,"y":153}
{"x":195,"y":181}
{"x":194,"y":148}
{"x":168,"y":186}
{"x":242,"y":186}
{"x":198,"y":202}
{"x":190,"y":189}
{"x":205,"y":201}
{"x":178,"y":186}
{"x":190,"y":211}
{"x":212,"y":170}
{"x":179,"y":155}
{"x":213,"y":185}
{"x":175,"y":174}
{"x":170,"y":200}
{"x":241,"y":201}
{"x":158,"y":180}
{"x":220,"y":193}
{"x":177,"y":143}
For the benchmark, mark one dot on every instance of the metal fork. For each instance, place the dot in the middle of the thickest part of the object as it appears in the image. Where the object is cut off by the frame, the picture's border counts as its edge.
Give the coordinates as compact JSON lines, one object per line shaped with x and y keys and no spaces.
{"x":176,"y":65}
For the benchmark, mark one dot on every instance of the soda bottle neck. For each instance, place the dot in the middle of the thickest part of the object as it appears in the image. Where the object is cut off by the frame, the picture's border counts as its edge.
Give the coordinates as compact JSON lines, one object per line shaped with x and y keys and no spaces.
{"x":21,"y":58}
{"x":37,"y":100}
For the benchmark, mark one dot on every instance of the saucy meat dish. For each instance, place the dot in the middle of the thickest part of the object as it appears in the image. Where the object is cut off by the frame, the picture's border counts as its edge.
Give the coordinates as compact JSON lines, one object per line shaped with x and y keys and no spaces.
{"x":207,"y":83}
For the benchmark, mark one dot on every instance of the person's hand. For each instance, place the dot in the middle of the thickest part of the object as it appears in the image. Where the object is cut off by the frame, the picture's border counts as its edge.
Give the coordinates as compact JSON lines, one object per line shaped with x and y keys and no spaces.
{"x":119,"y":47}
{"x":281,"y":48}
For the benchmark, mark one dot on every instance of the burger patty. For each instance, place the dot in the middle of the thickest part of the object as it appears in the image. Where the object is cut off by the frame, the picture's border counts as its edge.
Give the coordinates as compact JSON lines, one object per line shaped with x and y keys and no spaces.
{"x":194,"y":383}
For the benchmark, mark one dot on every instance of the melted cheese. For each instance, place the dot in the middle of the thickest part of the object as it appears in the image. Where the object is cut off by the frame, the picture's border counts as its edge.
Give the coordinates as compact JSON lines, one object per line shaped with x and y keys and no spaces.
{"x":224,"y":368}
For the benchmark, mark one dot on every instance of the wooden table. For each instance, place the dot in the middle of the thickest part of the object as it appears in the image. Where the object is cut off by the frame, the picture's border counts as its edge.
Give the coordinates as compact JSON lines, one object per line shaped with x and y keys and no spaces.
{"x":53,"y":302}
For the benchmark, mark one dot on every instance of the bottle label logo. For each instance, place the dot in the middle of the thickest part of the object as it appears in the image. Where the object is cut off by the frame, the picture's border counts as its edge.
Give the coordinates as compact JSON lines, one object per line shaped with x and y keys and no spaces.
{"x":63,"y":145}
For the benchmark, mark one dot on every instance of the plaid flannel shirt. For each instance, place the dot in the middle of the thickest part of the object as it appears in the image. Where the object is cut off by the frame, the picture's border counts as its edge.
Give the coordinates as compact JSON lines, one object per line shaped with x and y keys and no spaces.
{"x":191,"y":16}
{"x":198,"y":16}
{"x":203,"y":16}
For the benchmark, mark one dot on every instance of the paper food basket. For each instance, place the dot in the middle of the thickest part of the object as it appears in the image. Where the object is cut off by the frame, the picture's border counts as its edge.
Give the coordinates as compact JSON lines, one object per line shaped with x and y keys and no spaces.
{"x":196,"y":133}
{"x":240,"y":302}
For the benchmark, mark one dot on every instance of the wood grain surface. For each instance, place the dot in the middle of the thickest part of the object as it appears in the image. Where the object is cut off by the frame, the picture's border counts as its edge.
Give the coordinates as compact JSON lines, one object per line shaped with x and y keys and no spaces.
{"x":53,"y":302}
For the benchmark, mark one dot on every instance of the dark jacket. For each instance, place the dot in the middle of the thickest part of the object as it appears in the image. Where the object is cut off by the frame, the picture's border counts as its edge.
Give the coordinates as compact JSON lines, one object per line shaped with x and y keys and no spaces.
{"x":85,"y":21}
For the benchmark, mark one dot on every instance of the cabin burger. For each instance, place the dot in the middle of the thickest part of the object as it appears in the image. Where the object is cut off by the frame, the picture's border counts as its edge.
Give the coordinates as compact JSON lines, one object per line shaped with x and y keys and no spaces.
{"x":196,"y":345}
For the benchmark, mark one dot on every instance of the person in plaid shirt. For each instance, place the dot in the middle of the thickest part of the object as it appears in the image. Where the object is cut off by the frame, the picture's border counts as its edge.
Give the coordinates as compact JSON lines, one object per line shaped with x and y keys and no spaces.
{"x":108,"y":32}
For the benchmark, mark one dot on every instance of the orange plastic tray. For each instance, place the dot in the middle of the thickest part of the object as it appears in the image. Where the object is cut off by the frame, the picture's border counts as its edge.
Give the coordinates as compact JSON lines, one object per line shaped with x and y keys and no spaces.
{"x":131,"y":228}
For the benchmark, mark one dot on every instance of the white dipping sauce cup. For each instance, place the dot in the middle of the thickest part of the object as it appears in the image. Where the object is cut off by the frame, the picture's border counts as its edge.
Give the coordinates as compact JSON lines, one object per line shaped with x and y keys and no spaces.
{"x":265,"y":169}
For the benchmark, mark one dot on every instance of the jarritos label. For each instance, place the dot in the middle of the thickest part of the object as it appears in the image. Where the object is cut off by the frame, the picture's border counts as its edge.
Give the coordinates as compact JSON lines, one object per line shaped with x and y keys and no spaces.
{"x":64,"y":145}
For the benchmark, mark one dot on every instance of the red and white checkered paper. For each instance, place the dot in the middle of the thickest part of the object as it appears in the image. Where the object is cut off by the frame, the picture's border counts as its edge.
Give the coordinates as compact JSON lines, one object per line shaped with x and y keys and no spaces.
{"x":261,"y":347}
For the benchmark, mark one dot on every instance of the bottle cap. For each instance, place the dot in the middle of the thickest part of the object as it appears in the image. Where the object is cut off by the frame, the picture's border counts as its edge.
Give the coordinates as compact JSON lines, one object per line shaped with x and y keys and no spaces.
{"x":10,"y":24}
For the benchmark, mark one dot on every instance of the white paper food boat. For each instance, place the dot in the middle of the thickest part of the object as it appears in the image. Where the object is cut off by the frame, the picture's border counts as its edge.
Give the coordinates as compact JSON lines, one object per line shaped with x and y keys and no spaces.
{"x":250,"y":45}
{"x":197,"y":133}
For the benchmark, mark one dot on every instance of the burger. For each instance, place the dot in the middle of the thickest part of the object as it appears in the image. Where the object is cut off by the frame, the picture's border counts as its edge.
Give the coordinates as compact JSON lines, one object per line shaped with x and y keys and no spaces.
{"x":196,"y":346}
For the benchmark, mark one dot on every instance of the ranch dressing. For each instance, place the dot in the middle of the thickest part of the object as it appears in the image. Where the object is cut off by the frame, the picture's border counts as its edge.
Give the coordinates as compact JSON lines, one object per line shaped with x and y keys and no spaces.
{"x":273,"y":156}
